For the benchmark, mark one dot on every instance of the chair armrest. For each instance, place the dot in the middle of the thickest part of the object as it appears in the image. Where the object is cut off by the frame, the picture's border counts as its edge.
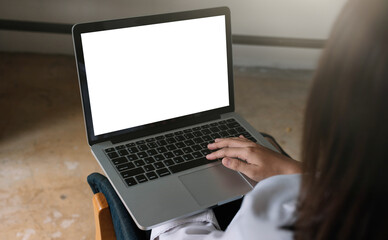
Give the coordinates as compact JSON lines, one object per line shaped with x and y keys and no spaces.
{"x":103,"y":219}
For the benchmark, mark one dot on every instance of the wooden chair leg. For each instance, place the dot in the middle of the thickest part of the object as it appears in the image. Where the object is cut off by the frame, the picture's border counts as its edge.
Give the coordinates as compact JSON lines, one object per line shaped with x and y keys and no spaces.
{"x":103,"y":218}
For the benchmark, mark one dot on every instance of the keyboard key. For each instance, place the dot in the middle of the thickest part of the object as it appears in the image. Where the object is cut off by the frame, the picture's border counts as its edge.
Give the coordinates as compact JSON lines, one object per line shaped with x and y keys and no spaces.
{"x":142,"y":154}
{"x":178,"y":160}
{"x":133,"y":150}
{"x":197,"y":134}
{"x":125,"y":166}
{"x":151,"y":175}
{"x":196,"y":147}
{"x":159,"y":165}
{"x":215,"y":135}
{"x":120,"y":147}
{"x":214,"y":129}
{"x":178,"y":152}
{"x":123,"y":152}
{"x":223,"y":127}
{"x":188,"y":165}
{"x":233,"y":125}
{"x":180,"y":145}
{"x":204,"y":145}
{"x":130,"y":181}
{"x":246,"y":134}
{"x":143,"y":147}
{"x":132,"y":172}
{"x":206,"y":152}
{"x":152,"y":152}
{"x":149,"y":168}
{"x":150,"y":140}
{"x":169,"y":162}
{"x":130,"y":145}
{"x":232,"y":132}
{"x":132,"y":157}
{"x":140,"y":142}
{"x":119,"y":160}
{"x":159,"y":157}
{"x":163,"y":172}
{"x":197,"y":154}
{"x":187,"y":131}
{"x":141,"y":178}
{"x":168,"y":135}
{"x":171,"y":140}
{"x":224,"y":134}
{"x":188,"y":136}
{"x":188,"y":157}
{"x":162,"y":142}
{"x":207,"y":138}
{"x":168,"y":155}
{"x":159,"y":137}
{"x":109,"y":150}
{"x":152,"y":145}
{"x":139,"y":163}
{"x":149,"y":160}
{"x":180,"y":138}
{"x":178,"y":133}
{"x":187,"y":150}
{"x":196,"y":128}
{"x":171,"y":147}
{"x":161,"y":149}
{"x":112,"y":155}
{"x":240,"y":129}
{"x":206,"y":131}
{"x":198,"y":140}
{"x":189,"y":142}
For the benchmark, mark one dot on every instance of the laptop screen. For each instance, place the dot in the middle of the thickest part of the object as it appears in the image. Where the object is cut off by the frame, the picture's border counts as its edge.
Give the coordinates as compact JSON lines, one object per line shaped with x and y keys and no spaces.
{"x":146,"y":74}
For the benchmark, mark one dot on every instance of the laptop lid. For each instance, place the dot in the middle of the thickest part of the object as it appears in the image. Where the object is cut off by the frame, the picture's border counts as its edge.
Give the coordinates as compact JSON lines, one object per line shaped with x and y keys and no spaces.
{"x":146,"y":74}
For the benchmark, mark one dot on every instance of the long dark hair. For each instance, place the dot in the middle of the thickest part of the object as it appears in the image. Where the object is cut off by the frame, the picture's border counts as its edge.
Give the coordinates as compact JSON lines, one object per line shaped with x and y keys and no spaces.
{"x":344,"y":192}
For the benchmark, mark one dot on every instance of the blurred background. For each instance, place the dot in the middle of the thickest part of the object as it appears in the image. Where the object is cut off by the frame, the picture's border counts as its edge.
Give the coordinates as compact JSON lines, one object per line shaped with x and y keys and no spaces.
{"x":303,"y":19}
{"x":44,"y":155}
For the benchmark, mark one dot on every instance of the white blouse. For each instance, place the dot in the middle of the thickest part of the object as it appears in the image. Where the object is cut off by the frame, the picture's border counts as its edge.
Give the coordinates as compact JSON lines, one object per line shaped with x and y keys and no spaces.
{"x":268,"y":207}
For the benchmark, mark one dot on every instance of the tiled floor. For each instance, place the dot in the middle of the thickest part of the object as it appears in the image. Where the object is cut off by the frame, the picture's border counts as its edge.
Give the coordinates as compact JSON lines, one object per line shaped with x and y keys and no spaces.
{"x":44,"y":156}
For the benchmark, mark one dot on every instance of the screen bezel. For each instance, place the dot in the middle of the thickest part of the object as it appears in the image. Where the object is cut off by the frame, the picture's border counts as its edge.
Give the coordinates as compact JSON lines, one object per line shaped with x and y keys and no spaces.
{"x":160,"y":126}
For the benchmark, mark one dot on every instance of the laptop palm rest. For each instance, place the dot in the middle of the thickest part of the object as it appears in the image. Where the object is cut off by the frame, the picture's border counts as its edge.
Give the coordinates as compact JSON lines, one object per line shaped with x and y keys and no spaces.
{"x":213,"y":185}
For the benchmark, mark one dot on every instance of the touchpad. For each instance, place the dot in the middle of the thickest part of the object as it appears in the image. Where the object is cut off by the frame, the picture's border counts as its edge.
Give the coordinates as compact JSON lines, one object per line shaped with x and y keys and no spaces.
{"x":215,"y":184}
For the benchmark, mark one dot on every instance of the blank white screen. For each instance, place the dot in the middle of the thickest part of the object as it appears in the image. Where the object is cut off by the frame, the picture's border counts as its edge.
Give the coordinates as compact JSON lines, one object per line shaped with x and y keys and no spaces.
{"x":146,"y":74}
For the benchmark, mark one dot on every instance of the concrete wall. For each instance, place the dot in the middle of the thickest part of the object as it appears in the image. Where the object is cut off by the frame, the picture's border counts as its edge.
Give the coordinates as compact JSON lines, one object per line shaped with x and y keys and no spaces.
{"x":275,"y":18}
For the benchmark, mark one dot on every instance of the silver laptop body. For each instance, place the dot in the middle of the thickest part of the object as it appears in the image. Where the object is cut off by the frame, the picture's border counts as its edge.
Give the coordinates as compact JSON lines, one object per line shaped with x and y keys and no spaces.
{"x":157,"y":81}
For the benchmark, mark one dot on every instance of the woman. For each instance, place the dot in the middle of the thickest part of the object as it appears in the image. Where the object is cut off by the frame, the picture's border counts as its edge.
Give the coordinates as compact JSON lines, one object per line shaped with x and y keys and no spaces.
{"x":343,"y":192}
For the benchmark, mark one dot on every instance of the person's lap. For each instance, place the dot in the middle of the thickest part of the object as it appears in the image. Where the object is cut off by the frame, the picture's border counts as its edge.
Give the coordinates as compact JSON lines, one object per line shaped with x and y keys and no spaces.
{"x":125,"y":227}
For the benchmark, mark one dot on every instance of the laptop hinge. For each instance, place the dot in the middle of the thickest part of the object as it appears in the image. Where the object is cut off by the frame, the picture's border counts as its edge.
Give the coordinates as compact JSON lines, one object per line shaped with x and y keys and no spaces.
{"x":163,"y":128}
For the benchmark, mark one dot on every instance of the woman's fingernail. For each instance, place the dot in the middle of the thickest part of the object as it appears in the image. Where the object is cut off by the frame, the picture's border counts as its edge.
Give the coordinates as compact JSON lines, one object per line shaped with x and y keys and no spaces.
{"x":226,"y":161}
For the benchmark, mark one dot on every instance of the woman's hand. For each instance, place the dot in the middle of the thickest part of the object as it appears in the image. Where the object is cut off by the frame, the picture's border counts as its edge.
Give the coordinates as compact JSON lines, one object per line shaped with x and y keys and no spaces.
{"x":255,"y":161}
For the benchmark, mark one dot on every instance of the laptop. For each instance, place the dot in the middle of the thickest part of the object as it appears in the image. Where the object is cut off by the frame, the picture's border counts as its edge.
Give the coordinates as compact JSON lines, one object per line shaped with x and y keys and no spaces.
{"x":156,"y":90}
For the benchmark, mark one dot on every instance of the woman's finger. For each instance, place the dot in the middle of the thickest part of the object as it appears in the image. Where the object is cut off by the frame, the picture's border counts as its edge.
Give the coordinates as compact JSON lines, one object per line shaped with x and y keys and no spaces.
{"x":230,"y":142}
{"x":240,"y":166}
{"x":230,"y":152}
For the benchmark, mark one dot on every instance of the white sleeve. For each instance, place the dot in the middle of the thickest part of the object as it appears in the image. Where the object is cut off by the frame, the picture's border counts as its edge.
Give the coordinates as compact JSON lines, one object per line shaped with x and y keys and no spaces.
{"x":268,"y":207}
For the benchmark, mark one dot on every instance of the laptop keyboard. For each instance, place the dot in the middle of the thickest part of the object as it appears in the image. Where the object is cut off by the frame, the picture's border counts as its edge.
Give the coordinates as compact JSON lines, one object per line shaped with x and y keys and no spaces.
{"x":145,"y":160}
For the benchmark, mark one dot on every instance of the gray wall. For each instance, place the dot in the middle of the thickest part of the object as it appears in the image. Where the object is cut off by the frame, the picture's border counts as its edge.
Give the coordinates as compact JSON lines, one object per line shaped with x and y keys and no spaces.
{"x":276,"y":18}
